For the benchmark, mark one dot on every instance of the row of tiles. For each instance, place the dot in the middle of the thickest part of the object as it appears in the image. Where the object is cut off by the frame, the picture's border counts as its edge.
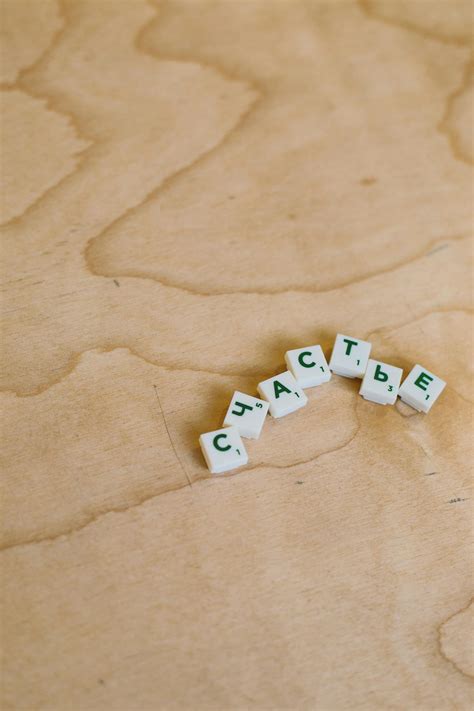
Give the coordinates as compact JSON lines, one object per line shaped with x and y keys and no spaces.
{"x":307,"y":367}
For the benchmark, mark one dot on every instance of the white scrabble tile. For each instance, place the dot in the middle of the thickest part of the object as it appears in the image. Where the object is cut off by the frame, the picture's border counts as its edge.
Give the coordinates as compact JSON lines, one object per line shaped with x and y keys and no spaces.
{"x":381,"y":382}
{"x":247,"y":413}
{"x":308,"y":365}
{"x":283,"y":394}
{"x":421,"y":389}
{"x":349,"y":356}
{"x":223,"y":450}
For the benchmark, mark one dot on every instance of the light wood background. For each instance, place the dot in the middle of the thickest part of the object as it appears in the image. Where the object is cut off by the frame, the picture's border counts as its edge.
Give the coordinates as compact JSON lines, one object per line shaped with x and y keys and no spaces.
{"x":189,"y":189}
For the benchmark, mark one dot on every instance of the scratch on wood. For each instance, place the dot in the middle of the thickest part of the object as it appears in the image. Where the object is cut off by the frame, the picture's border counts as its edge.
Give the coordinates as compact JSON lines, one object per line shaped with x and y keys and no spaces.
{"x":169,"y":437}
{"x":437,"y":249}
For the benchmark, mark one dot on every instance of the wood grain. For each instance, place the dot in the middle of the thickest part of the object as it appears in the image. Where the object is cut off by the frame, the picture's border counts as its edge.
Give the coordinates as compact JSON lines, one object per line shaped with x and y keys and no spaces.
{"x":189,"y":189}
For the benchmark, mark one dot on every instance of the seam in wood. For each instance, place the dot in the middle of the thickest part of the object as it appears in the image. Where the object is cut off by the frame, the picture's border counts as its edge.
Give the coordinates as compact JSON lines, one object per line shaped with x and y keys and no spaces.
{"x":439,"y":639}
{"x":444,"y":126}
{"x":310,"y":460}
{"x":365,"y":6}
{"x":185,"y":288}
{"x":146,"y":499}
{"x":78,"y":156}
{"x":47,"y":50}
{"x":70,"y":367}
{"x":21,"y":84}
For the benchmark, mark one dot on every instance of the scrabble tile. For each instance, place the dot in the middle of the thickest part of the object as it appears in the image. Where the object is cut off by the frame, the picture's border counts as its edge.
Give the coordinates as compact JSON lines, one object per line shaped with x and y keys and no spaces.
{"x":421,"y":389}
{"x":223,"y":450}
{"x":308,"y":366}
{"x":381,"y":382}
{"x":247,"y":413}
{"x":349,"y":356}
{"x":283,"y":394}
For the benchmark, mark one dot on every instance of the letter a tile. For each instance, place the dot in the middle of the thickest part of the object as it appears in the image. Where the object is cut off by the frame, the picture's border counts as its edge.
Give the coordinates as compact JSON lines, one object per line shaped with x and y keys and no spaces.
{"x":283,"y":394}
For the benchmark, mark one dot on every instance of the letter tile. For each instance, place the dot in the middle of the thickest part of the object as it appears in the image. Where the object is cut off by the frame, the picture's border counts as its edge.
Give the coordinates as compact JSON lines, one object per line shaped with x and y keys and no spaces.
{"x":381,"y":382}
{"x":283,"y":394}
{"x":247,"y":413}
{"x":308,"y":365}
{"x":223,"y":450}
{"x":349,"y":356}
{"x":421,"y":389}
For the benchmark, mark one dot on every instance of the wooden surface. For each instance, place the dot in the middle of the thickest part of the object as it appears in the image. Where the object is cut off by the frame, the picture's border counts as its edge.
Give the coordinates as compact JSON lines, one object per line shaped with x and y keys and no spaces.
{"x":190,"y":189}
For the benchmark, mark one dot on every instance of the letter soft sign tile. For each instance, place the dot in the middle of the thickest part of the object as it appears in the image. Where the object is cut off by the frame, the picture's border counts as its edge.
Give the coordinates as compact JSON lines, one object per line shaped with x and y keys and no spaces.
{"x":349,"y":356}
{"x":381,"y":382}
{"x":247,"y":413}
{"x":223,"y":450}
{"x":421,"y":389}
{"x":308,"y":365}
{"x":283,"y":394}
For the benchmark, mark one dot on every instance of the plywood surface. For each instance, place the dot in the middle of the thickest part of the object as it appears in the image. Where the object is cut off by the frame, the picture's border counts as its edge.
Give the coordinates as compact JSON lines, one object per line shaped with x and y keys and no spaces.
{"x":190,"y":189}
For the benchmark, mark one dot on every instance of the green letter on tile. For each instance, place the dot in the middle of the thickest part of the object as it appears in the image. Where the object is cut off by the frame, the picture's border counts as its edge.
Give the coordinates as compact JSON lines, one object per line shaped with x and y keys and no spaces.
{"x":279,"y":388}
{"x":380,"y":375}
{"x":243,"y":406}
{"x":301,"y":360}
{"x":349,"y":345}
{"x":216,"y":444}
{"x":423,"y":380}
